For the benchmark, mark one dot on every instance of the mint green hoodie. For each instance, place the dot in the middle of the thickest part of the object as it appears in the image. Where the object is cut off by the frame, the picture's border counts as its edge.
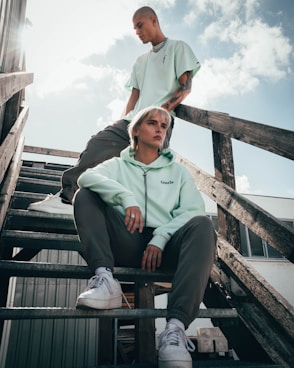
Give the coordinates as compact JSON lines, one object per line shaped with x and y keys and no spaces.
{"x":164,"y":190}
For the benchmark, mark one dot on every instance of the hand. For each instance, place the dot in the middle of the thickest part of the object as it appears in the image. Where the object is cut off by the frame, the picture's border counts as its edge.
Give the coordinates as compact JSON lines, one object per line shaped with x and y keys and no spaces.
{"x":134,"y":219}
{"x":152,"y":258}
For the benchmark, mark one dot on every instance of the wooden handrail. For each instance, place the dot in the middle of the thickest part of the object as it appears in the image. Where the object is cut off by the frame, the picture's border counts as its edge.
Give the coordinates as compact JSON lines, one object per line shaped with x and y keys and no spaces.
{"x":272,"y":139}
{"x":11,"y":83}
{"x":262,"y":223}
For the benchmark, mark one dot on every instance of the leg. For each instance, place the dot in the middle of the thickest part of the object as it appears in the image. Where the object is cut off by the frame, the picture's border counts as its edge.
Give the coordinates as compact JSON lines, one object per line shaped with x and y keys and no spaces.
{"x":190,"y":253}
{"x":103,"y":234}
{"x":192,"y":249}
{"x":104,"y":145}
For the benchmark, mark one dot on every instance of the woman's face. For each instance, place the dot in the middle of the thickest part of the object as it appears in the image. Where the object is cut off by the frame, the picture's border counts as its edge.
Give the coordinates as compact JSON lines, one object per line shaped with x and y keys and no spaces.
{"x":152,"y":131}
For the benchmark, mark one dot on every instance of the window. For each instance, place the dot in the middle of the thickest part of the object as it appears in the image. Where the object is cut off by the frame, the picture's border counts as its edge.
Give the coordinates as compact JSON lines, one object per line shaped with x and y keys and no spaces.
{"x":251,"y":244}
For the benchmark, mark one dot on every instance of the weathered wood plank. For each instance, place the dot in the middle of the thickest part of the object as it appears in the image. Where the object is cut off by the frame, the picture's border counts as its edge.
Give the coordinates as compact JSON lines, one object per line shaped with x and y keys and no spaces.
{"x":8,"y":146}
{"x":272,"y":139}
{"x":274,"y":303}
{"x":145,"y":328}
{"x":51,"y":152}
{"x":11,"y":83}
{"x":228,"y":225}
{"x":262,"y":223}
{"x":12,"y":110}
{"x":9,"y":183}
{"x":279,"y":347}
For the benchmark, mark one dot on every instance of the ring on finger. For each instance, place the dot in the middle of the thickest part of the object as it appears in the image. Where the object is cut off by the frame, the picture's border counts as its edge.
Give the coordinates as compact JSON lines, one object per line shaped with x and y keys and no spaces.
{"x":133,"y":215}
{"x":154,"y":257}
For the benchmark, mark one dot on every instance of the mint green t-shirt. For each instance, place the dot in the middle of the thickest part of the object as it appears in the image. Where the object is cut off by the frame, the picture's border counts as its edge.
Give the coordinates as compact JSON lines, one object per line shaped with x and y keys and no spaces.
{"x":156,"y":74}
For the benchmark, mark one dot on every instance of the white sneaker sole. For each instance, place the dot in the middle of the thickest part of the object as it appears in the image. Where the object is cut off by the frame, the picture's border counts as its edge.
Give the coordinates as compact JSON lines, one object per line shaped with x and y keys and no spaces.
{"x":68,"y":210}
{"x":99,"y":304}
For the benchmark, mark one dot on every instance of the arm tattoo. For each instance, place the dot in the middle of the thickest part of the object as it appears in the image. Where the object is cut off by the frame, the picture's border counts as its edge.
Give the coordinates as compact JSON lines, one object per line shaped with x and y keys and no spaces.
{"x":183,"y":87}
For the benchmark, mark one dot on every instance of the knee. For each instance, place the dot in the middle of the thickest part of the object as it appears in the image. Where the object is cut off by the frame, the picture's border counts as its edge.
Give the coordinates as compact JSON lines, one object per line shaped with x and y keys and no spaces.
{"x":204,"y":227}
{"x":202,"y":222}
{"x":80,"y":197}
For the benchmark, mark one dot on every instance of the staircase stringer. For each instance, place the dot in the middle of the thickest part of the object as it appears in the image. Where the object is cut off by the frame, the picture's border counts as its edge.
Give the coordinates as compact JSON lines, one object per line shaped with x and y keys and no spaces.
{"x":266,"y":313}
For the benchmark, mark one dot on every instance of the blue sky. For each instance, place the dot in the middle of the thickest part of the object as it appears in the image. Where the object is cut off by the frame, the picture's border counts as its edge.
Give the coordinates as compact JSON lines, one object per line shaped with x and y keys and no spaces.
{"x":82,"y":53}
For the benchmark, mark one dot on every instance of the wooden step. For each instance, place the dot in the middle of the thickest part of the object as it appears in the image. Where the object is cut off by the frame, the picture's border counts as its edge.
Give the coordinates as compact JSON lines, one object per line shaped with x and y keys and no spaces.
{"x":40,"y":240}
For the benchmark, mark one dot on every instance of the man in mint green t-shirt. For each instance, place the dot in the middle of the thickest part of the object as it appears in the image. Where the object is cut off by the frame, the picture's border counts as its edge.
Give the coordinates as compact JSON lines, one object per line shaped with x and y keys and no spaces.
{"x":160,"y":77}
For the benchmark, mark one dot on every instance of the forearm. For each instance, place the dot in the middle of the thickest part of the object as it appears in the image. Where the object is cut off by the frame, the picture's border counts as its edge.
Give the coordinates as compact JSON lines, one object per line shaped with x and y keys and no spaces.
{"x":132,"y":101}
{"x":180,"y":93}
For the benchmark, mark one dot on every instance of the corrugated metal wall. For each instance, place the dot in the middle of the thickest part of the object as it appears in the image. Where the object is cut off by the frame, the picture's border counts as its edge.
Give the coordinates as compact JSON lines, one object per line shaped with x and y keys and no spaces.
{"x":52,"y":343}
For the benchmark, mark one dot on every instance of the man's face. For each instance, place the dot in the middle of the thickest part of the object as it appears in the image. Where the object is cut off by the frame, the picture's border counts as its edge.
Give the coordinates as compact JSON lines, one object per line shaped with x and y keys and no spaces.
{"x":144,"y":28}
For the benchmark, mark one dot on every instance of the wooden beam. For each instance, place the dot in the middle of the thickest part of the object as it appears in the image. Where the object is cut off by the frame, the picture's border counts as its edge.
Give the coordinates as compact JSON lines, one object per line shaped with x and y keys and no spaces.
{"x":145,"y":328}
{"x":241,"y":270}
{"x":228,"y":225}
{"x":11,"y":83}
{"x":262,"y":223}
{"x":8,"y":146}
{"x":10,"y":180}
{"x":272,"y":139}
{"x":51,"y":152}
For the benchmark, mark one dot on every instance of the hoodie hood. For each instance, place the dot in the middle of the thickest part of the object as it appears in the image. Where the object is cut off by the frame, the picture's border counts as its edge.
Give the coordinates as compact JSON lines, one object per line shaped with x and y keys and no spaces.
{"x":166,"y":158}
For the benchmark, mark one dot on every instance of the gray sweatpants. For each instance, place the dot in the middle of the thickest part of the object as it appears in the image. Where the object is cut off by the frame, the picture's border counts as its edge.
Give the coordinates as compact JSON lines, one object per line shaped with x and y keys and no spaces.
{"x":189,"y":254}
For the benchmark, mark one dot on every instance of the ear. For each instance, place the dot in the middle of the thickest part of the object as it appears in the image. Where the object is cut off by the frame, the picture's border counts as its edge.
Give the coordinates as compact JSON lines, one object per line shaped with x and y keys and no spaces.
{"x":135,"y":131}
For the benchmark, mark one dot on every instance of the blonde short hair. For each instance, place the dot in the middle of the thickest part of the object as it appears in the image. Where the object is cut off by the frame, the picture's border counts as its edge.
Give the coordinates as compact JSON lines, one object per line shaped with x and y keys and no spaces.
{"x":146,"y":113}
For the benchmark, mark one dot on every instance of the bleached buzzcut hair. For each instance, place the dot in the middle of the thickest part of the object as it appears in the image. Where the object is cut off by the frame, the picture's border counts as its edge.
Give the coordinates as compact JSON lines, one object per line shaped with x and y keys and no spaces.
{"x":146,"y":113}
{"x":146,"y":12}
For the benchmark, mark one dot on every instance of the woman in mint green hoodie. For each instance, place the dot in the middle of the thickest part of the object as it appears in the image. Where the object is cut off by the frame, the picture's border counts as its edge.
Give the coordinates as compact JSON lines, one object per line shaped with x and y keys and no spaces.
{"x":143,"y":209}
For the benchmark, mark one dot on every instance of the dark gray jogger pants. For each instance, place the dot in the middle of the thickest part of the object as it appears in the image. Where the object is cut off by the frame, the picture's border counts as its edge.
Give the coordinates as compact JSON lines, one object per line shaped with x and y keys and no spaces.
{"x":189,"y":254}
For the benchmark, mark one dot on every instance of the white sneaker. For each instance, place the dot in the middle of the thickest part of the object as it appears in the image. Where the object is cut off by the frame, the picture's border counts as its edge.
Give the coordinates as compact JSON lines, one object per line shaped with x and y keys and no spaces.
{"x":174,"y":347}
{"x":103,"y":292}
{"x":52,"y":204}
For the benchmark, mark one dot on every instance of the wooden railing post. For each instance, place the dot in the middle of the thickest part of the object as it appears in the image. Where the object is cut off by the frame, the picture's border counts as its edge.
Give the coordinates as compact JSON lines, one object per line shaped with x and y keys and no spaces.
{"x":229,"y":227}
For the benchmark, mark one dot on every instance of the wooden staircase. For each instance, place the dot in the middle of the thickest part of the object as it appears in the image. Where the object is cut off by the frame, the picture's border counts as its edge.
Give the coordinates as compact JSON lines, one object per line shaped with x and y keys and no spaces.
{"x":42,"y":271}
{"x":29,"y":239}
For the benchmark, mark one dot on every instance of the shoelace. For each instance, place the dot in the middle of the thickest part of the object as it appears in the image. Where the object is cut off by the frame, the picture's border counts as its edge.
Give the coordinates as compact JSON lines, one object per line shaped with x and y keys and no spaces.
{"x":172,"y":336}
{"x":98,"y":280}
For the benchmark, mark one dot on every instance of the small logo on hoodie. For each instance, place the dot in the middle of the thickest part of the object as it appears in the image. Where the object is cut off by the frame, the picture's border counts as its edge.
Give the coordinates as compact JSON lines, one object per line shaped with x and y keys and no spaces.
{"x":166,"y":182}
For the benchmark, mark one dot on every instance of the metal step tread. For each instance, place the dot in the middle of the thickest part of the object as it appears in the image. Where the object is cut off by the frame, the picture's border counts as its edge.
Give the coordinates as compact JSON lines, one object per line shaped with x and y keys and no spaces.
{"x":36,"y":181}
{"x":39,"y":221}
{"x":38,"y":235}
{"x":14,"y":313}
{"x":40,"y":240}
{"x":43,"y":269}
{"x":208,"y":363}
{"x":33,"y":170}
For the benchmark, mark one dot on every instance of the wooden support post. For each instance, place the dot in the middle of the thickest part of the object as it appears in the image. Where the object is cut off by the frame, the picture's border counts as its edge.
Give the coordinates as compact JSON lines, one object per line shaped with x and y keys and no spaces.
{"x":105,"y":349}
{"x":229,"y":226}
{"x":145,"y":328}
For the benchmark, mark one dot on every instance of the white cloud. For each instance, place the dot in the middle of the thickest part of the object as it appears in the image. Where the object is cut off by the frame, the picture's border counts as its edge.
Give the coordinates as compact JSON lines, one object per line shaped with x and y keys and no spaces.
{"x":242,"y":184}
{"x":255,"y":51}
